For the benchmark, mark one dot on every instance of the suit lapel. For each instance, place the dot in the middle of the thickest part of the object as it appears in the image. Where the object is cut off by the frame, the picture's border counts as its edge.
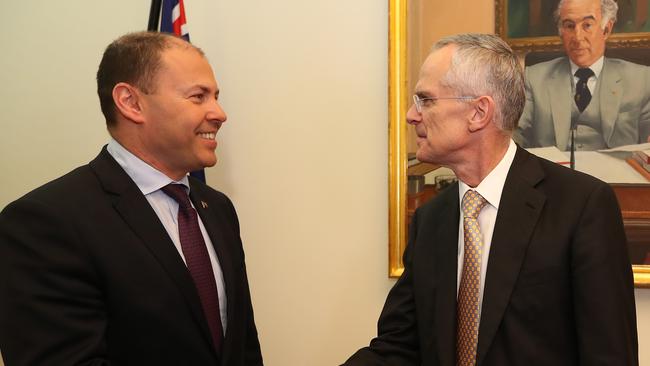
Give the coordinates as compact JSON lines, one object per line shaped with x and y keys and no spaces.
{"x":611,"y":91}
{"x":519,"y":210}
{"x":136,"y":211}
{"x":559,"y":93}
{"x":446,"y":264}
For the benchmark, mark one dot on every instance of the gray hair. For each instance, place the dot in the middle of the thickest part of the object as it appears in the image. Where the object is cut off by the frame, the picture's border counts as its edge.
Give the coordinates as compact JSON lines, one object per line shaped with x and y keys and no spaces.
{"x":484,"y":64}
{"x":608,"y":10}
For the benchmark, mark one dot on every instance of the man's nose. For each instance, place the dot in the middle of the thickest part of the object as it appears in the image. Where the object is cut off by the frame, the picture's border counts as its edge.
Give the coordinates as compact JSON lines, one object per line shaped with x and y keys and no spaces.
{"x":216,"y":113}
{"x":413,"y":117}
{"x":579,"y":34}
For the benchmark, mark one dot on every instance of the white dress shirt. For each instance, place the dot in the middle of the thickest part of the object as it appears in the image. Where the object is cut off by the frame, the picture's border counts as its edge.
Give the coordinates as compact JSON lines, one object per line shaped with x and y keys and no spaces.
{"x":490,"y":188}
{"x":150,"y":181}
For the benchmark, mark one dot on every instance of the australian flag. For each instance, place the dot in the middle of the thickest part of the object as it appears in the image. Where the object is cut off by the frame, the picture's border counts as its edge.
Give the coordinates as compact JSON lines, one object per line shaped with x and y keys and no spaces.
{"x":173,"y":19}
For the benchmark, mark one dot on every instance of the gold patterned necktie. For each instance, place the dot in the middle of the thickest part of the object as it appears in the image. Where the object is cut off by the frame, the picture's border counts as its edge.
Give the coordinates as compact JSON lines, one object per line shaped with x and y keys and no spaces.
{"x":470,"y":281}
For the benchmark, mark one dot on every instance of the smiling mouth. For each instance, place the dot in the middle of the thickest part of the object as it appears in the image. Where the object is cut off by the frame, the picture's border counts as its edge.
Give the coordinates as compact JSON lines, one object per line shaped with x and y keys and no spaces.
{"x":208,"y":135}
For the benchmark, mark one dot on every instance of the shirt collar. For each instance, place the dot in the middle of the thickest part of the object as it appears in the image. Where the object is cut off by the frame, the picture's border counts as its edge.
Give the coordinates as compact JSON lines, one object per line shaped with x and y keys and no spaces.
{"x":147,"y":178}
{"x":491,"y":186}
{"x":596,"y":67}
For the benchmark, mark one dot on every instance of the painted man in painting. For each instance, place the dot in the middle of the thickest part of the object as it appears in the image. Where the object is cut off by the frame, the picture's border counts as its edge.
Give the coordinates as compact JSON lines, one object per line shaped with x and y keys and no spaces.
{"x":615,"y":95}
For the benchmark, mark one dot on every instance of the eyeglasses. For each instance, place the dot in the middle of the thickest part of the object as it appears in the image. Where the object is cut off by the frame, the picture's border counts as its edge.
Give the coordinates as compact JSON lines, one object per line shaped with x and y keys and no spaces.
{"x":419,"y":101}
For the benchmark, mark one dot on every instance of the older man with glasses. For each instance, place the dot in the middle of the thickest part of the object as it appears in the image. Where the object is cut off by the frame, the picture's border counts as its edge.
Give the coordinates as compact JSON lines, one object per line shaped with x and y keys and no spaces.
{"x":523,"y":261}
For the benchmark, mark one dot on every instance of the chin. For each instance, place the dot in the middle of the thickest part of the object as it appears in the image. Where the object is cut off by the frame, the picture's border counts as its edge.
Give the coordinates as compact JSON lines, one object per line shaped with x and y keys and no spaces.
{"x":423,"y":157}
{"x":581,"y":61}
{"x":208,"y":163}
{"x":206,"y":160}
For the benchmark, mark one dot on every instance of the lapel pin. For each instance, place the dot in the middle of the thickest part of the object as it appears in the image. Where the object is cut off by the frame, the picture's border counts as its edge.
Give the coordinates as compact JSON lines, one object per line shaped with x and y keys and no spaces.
{"x":205,"y":205}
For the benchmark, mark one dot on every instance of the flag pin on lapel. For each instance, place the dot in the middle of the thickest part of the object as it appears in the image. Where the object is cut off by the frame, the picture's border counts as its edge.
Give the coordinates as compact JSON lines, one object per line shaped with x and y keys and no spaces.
{"x":205,"y":205}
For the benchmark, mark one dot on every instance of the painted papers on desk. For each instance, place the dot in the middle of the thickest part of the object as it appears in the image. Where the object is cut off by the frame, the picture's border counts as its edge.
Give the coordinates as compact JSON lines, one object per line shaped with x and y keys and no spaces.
{"x":607,"y":165}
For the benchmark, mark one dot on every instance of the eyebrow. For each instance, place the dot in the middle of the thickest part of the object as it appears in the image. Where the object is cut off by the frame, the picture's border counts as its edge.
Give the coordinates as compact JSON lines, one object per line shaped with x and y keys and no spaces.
{"x":588,"y":17}
{"x":205,"y":90}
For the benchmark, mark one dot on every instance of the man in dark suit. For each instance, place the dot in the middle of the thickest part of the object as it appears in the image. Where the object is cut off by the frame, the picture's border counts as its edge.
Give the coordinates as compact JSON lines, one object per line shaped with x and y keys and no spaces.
{"x":110,"y":264}
{"x":523,"y":262}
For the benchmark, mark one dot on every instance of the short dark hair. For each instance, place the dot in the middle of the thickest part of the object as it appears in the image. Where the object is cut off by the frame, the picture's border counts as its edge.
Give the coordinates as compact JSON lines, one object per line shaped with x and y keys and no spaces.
{"x":134,"y":58}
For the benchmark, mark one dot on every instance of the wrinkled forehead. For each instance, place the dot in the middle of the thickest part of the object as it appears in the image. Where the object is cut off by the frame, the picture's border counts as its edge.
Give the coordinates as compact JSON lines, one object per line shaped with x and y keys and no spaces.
{"x":435,"y":68}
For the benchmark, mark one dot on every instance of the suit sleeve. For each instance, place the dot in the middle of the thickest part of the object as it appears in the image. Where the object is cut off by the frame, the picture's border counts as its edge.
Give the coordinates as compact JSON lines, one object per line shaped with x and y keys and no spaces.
{"x":252,"y":349}
{"x":523,"y":134}
{"x":396,"y":343}
{"x":603,"y":285}
{"x":51,"y":309}
{"x":253,"y":353}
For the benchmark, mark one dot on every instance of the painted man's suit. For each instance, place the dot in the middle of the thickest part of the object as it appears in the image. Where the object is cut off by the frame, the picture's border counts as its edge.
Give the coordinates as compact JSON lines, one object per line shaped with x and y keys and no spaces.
{"x":624,"y":104}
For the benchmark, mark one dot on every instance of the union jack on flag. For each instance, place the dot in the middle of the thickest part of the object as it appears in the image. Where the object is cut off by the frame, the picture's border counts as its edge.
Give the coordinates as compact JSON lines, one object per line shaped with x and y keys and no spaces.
{"x":173,"y":19}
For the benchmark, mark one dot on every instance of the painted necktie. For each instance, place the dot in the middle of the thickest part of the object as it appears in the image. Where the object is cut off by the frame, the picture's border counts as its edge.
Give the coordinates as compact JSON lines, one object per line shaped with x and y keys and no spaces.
{"x":583,"y":95}
{"x":470,"y":281}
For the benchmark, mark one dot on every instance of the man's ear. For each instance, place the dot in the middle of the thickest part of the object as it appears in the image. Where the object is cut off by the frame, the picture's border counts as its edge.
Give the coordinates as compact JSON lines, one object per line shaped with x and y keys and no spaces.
{"x":127,"y":100}
{"x":607,"y":31}
{"x":482,"y":113}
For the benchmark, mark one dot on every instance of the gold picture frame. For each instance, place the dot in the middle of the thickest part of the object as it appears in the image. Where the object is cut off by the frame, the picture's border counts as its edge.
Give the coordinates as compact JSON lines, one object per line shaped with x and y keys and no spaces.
{"x":398,"y":105}
{"x":397,"y":157}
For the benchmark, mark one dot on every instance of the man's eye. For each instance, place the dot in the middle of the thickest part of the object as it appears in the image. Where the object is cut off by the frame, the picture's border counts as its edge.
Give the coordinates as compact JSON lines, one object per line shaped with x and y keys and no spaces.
{"x":198,"y":97}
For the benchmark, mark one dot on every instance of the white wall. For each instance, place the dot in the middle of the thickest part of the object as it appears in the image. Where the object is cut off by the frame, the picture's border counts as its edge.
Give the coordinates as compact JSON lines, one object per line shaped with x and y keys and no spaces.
{"x":304,"y":157}
{"x":49,"y":111}
{"x":303,"y":154}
